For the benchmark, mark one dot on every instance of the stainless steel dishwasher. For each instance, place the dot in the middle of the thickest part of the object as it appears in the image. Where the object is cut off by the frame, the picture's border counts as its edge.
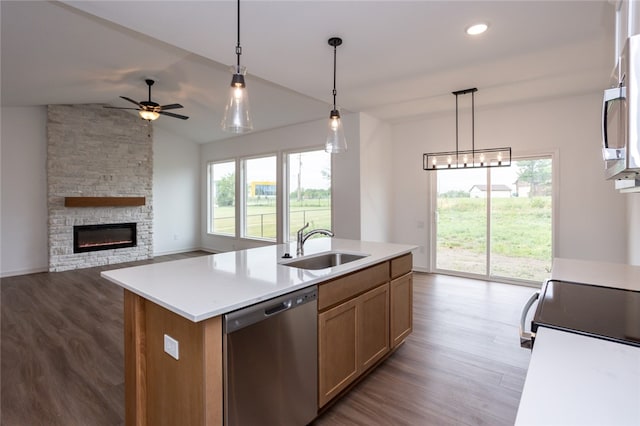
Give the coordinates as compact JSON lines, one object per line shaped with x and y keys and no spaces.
{"x":271,"y":361}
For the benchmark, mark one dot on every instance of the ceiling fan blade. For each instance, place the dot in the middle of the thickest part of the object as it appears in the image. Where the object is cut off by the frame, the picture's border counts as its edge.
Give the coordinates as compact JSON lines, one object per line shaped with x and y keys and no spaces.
{"x":171,"y":106}
{"x":133,"y":109}
{"x":170,"y":114}
{"x":131,"y":100}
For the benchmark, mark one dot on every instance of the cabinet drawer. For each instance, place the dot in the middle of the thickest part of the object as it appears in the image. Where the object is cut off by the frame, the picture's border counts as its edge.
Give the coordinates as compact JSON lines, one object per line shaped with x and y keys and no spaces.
{"x":401,"y":265}
{"x":333,"y":292}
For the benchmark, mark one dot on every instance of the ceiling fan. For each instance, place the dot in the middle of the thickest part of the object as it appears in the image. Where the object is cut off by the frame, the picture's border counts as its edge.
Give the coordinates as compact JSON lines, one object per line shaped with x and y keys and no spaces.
{"x":150,"y":110}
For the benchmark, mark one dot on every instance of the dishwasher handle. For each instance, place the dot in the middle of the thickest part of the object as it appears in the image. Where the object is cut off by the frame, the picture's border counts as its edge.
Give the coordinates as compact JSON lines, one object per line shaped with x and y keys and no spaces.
{"x":526,"y":338}
{"x":278,"y":308}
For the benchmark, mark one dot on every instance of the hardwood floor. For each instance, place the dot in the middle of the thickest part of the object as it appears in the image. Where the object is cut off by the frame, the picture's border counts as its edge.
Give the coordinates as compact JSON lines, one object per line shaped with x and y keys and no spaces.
{"x":62,"y":348}
{"x":62,"y":355}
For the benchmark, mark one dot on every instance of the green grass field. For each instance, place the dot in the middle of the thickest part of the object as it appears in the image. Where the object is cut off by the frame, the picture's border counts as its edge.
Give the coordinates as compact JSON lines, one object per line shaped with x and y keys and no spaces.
{"x":521,"y":236}
{"x":261,"y":217}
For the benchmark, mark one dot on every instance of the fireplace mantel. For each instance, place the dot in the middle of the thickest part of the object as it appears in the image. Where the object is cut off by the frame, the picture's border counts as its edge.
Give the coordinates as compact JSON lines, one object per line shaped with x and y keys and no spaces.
{"x":104,"y":201}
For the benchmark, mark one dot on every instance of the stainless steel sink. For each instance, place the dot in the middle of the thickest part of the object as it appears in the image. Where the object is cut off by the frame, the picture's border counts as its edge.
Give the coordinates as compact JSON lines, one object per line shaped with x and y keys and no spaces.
{"x":324,"y":260}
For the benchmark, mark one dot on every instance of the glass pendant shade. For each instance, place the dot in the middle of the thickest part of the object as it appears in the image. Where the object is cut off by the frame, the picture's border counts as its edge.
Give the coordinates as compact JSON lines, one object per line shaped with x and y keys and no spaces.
{"x":148,"y":115}
{"x":336,"y":142}
{"x":236,"y":114}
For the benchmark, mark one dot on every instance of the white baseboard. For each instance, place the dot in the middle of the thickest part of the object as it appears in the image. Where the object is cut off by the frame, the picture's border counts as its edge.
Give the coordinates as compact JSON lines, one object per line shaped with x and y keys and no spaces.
{"x":7,"y":274}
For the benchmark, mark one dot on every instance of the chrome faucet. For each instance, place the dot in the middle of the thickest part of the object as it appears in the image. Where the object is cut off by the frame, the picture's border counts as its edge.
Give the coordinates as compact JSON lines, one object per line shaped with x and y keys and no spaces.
{"x":302,"y":237}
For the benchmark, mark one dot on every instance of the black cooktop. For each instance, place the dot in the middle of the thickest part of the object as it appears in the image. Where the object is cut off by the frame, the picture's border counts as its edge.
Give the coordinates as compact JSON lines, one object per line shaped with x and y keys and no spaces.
{"x":603,"y":312}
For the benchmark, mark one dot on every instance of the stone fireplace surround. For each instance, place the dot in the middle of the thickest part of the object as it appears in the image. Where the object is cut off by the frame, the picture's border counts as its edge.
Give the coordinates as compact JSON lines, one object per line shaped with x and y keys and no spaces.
{"x":97,"y":152}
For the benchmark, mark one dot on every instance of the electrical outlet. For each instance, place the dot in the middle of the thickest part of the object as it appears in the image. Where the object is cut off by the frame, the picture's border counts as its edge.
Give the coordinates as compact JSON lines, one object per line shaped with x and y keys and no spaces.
{"x":171,"y":346}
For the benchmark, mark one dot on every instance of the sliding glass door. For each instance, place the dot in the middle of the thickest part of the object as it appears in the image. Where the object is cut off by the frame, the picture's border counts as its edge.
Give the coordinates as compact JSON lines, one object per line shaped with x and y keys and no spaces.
{"x":461,"y":222}
{"x":495,"y":222}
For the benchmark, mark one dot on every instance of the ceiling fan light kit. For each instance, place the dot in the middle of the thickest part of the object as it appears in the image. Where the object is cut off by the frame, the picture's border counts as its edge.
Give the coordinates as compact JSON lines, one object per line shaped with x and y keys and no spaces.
{"x":336,"y":142}
{"x":236,"y":114}
{"x":467,"y":159}
{"x":148,"y":115}
{"x":149,"y":110}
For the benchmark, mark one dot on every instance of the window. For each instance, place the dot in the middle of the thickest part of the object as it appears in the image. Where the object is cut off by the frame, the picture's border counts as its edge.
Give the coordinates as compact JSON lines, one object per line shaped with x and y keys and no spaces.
{"x":259,"y":204}
{"x":253,"y":210}
{"x":309,"y":191}
{"x":222,"y":201}
{"x":496,"y":222}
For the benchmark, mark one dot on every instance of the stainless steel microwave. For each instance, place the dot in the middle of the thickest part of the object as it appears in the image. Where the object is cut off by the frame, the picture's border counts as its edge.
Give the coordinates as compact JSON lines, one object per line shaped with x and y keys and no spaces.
{"x":620,"y":115}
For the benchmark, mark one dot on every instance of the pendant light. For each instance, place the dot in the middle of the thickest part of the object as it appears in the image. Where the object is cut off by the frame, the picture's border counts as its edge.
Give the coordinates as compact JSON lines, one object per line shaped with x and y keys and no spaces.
{"x":236,"y":114}
{"x":336,"y":141}
{"x":468,"y":159}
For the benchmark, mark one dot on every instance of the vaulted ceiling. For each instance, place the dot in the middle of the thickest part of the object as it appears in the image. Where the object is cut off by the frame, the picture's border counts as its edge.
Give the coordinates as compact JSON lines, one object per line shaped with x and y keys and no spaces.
{"x":400,"y":60}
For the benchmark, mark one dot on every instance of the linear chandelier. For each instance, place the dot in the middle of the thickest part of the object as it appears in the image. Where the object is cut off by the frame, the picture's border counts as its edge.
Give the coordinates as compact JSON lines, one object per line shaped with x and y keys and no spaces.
{"x":467,"y":159}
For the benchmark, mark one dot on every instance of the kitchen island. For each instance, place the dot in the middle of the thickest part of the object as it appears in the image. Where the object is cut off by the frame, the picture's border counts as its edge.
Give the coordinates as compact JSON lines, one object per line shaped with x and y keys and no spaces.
{"x":186,"y":299}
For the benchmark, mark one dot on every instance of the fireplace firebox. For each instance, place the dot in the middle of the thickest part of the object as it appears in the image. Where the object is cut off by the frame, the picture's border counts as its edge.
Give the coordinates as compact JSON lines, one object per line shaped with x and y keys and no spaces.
{"x":104,"y":237}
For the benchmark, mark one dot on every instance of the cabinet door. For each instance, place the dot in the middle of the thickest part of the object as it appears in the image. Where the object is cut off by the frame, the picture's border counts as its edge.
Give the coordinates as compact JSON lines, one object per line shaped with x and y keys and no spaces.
{"x":401,"y":297}
{"x":337,"y":349}
{"x":373,"y":315}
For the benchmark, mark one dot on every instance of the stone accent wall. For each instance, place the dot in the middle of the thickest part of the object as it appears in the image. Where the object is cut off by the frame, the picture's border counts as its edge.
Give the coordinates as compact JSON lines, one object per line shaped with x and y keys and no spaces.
{"x":97,"y":152}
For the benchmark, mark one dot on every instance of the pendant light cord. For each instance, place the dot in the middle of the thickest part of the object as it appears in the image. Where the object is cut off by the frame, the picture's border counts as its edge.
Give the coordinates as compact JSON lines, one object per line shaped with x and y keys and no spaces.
{"x":238,"y":47}
{"x":457,"y":162}
{"x":473,"y":124}
{"x":335,"y":48}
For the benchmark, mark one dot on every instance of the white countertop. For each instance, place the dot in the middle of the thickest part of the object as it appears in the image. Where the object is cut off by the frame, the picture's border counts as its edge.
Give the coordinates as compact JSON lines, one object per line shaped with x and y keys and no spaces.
{"x":579,"y":380}
{"x":618,"y":275}
{"x":202,"y":287}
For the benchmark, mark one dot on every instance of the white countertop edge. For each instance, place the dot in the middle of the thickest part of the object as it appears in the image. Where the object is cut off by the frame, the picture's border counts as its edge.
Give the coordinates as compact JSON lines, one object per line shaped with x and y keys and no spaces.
{"x":334,"y":272}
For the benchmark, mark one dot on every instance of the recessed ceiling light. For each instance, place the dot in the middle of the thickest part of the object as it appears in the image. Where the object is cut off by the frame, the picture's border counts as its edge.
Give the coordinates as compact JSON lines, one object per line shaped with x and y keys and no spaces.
{"x":477,"y":29}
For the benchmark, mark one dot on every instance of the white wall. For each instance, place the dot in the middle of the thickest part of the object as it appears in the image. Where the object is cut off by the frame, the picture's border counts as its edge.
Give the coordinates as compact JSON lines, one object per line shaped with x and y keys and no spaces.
{"x":345,"y":172}
{"x":376,"y":178}
{"x":591,"y":216}
{"x":176,"y":193}
{"x":23,"y":212}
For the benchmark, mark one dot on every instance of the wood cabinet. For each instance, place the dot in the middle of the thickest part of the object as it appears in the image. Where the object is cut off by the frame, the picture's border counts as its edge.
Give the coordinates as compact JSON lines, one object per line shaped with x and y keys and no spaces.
{"x":362,"y":316}
{"x":401,"y":300}
{"x":352,"y":337}
{"x":374,"y":326}
{"x":337,"y":349}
